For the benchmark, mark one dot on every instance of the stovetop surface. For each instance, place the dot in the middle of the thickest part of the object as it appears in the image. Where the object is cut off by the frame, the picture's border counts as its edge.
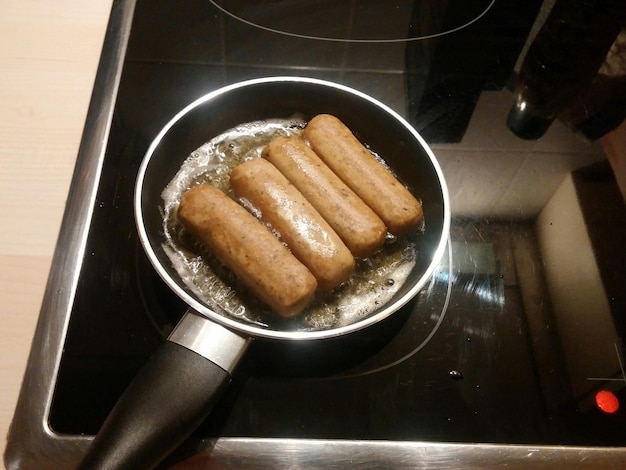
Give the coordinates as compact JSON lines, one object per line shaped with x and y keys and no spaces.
{"x":518,"y":330}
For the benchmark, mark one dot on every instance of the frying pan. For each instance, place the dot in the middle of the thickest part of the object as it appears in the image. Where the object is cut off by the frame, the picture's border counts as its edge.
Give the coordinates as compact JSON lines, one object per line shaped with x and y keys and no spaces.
{"x":176,"y":390}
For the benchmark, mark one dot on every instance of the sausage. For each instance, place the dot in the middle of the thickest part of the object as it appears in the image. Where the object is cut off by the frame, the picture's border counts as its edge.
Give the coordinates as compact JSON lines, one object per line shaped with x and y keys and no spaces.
{"x":298,"y":224}
{"x":358,"y":168}
{"x":357,"y":225}
{"x":244,"y":245}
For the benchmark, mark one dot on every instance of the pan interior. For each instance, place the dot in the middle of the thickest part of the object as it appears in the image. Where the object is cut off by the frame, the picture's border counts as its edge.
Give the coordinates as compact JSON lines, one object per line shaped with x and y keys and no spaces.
{"x":290,"y":103}
{"x":373,"y":283}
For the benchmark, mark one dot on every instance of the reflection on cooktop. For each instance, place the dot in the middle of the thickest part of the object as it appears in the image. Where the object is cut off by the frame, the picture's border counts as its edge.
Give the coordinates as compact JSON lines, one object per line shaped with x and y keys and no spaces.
{"x":370,"y":22}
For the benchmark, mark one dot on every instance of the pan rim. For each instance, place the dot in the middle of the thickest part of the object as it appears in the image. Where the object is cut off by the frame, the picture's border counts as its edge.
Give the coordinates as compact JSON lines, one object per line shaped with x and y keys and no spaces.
{"x":251,"y":329}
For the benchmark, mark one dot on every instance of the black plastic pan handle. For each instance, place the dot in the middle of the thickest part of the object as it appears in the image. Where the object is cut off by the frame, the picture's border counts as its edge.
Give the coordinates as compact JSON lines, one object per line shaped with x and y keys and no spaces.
{"x":169,"y":398}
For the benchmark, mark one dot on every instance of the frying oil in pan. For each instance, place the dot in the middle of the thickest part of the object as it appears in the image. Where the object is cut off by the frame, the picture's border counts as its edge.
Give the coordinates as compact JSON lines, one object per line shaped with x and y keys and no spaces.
{"x":373,"y":283}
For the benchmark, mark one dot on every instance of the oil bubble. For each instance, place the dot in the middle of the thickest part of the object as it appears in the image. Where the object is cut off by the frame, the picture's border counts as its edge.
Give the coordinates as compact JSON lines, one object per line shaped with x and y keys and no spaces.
{"x":455,"y":375}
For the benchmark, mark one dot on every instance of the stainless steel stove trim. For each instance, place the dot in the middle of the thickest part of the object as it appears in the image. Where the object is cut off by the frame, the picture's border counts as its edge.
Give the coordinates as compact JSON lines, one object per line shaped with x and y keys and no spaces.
{"x":328,"y":454}
{"x":30,"y":439}
{"x":33,"y":445}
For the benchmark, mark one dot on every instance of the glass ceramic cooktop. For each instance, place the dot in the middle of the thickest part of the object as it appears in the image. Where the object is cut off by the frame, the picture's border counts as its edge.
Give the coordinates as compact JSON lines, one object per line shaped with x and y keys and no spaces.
{"x":516,"y":339}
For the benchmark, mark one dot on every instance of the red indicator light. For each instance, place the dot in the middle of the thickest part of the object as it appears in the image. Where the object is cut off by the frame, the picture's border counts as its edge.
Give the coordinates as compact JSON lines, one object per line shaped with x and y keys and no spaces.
{"x":607,"y":401}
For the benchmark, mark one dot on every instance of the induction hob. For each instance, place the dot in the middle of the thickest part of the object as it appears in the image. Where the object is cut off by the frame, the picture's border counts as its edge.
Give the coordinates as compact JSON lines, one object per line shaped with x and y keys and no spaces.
{"x":512,"y":353}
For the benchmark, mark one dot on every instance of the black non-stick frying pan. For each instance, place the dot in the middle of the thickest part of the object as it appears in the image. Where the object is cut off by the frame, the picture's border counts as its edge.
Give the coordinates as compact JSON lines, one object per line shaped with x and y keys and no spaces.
{"x":176,"y":390}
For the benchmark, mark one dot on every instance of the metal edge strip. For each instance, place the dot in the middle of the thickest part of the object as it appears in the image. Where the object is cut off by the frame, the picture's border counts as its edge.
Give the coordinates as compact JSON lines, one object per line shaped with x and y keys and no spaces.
{"x":29,"y":445}
{"x":286,"y":454}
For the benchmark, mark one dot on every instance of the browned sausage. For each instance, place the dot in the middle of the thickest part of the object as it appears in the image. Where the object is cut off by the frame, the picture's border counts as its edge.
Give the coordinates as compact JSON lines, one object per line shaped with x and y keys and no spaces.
{"x":298,"y":224}
{"x":244,"y":245}
{"x":366,"y":176}
{"x":359,"y":227}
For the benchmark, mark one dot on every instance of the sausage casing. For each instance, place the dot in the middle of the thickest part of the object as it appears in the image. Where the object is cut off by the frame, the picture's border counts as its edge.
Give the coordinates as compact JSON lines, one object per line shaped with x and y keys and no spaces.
{"x":363,"y":173}
{"x":357,"y":225}
{"x":298,"y":224}
{"x":244,"y":245}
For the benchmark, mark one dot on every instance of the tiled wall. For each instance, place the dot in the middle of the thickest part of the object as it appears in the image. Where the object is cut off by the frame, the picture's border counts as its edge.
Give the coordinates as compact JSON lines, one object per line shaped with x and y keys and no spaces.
{"x":492,"y":172}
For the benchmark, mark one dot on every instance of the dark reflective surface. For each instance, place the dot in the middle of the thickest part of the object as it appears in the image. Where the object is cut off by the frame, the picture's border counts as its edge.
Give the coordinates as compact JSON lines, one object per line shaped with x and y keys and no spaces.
{"x":509,"y":342}
{"x":372,"y":21}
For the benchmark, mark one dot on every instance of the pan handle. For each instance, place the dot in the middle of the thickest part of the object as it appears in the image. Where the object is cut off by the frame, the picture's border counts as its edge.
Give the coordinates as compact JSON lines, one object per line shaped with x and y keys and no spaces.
{"x":169,"y":398}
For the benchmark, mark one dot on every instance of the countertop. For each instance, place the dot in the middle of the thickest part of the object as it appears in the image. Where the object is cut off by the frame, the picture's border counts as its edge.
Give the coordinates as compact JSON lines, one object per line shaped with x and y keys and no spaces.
{"x":49,"y":54}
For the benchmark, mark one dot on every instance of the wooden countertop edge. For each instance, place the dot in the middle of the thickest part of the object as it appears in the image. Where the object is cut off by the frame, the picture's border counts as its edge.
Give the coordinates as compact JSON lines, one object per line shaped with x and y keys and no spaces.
{"x":49,"y":54}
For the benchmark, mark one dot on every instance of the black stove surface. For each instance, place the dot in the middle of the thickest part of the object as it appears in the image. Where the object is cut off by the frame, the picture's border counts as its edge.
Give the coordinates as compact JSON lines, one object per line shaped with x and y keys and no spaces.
{"x":518,"y":331}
